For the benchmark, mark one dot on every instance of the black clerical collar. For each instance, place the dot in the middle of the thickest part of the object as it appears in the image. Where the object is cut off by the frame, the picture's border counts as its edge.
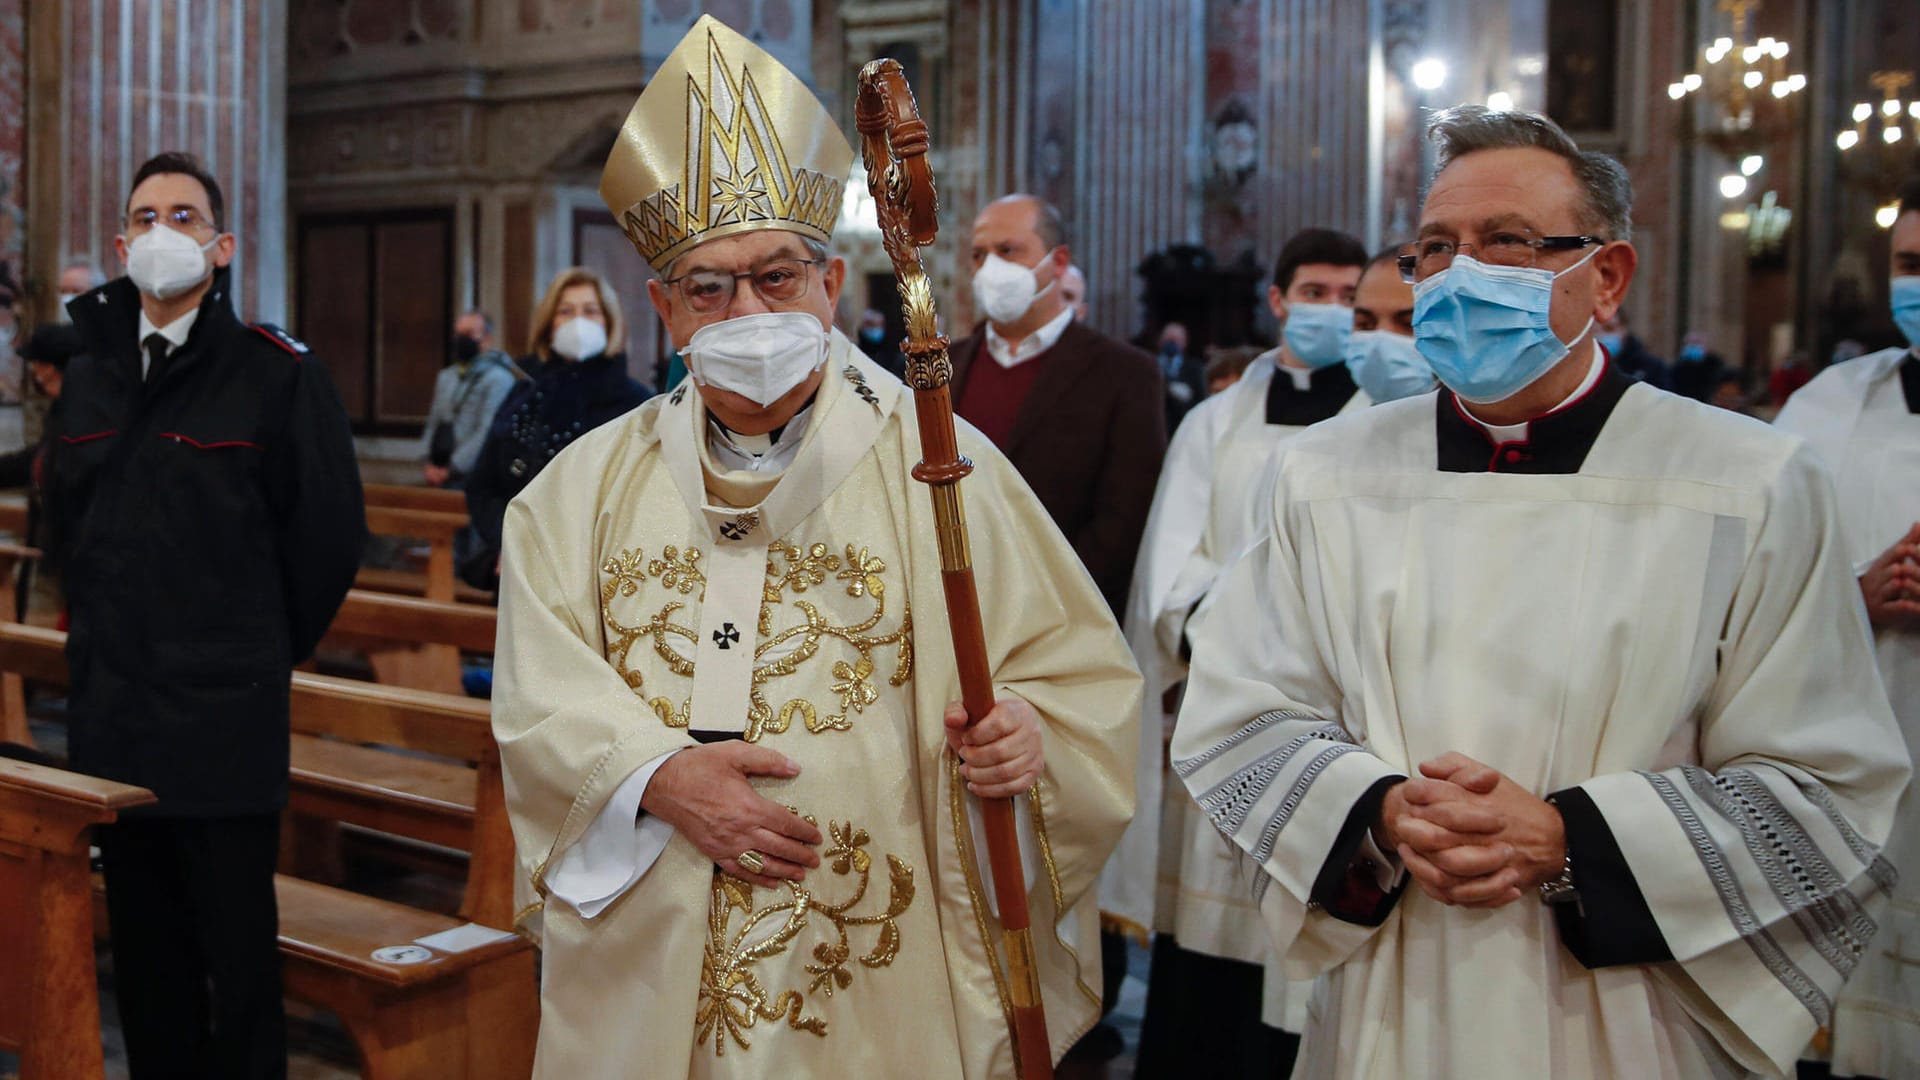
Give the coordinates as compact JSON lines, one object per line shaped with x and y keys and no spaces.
{"x":772,"y":437}
{"x":1556,"y":443}
{"x":1327,"y":392}
{"x":1910,"y":380}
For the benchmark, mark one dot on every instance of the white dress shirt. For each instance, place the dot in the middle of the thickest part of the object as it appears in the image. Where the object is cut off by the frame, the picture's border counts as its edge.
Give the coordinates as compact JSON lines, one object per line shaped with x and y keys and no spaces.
{"x":1032,"y":345}
{"x":175,"y":332}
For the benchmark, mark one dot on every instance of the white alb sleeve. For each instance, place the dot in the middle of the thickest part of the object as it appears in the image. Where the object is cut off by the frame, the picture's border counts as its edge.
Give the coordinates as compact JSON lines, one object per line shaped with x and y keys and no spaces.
{"x":615,"y":851}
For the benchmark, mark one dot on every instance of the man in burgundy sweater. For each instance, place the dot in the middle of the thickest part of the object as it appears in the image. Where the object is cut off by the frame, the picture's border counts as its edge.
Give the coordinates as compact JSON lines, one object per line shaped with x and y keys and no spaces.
{"x":1077,"y":412}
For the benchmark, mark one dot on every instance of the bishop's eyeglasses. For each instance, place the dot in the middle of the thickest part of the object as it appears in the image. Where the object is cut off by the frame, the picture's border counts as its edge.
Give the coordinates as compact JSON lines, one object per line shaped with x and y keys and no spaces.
{"x":1428,"y":256}
{"x":782,"y":281}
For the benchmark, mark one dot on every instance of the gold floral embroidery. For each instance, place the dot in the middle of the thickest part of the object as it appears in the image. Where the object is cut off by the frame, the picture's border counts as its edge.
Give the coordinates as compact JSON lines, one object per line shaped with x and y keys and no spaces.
{"x":679,"y":571}
{"x":733,"y":999}
{"x":791,"y":569}
{"x":856,"y":693}
{"x":676,"y":570}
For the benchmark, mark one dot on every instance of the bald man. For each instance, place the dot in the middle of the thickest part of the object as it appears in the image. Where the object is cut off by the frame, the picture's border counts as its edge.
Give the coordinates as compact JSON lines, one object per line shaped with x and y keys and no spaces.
{"x":1079,"y":415}
{"x":1076,"y":411}
{"x":1073,"y":286}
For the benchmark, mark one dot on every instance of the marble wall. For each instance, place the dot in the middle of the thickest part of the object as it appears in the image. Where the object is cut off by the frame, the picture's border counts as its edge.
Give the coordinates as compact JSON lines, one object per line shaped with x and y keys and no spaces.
{"x":13,"y":188}
{"x":204,"y":76}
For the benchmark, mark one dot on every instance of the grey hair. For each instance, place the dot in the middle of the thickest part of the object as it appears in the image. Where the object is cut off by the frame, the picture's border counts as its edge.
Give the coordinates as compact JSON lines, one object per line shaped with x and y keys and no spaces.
{"x":1050,"y":225}
{"x":94,"y":275}
{"x":1464,"y":129}
{"x":486,"y":320}
{"x":816,"y":249}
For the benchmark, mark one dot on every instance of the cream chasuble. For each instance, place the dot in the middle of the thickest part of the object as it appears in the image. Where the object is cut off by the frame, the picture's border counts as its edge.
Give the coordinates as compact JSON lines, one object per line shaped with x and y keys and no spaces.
{"x":1197,"y":523}
{"x":1856,"y":416}
{"x":645,"y":595}
{"x":1666,"y":635}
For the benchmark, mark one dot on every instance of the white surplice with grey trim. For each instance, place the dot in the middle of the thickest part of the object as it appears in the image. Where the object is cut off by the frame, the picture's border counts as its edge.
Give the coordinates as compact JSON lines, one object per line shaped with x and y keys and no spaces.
{"x":1674,"y":629}
{"x":1855,"y":416}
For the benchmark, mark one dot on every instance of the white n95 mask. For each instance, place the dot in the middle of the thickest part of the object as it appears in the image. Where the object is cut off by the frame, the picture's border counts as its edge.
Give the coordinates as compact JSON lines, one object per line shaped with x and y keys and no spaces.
{"x":1005,"y":290}
{"x":761,"y":357}
{"x":579,"y":339}
{"x":164,"y":262}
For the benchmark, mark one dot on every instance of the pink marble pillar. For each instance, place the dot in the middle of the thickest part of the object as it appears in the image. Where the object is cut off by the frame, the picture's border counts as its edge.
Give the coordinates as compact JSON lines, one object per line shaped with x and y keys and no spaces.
{"x":13,"y":185}
{"x":203,"y":76}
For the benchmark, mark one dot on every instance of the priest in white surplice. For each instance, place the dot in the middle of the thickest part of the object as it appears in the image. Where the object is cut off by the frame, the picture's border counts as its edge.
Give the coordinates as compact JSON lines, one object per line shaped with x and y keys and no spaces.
{"x":1863,"y":418}
{"x":1206,"y":982}
{"x":741,"y":801}
{"x":1612,"y":637}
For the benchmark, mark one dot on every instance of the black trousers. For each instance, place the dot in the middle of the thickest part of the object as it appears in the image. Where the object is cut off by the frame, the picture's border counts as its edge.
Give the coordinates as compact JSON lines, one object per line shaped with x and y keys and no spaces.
{"x":196,"y":958}
{"x":1203,"y":1019}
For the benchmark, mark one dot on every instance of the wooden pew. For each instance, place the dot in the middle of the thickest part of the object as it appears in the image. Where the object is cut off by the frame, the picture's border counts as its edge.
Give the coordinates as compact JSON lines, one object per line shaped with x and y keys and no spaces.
{"x":411,"y":641}
{"x":424,"y":664}
{"x":416,"y":497}
{"x":390,"y":617}
{"x":13,"y":515}
{"x":433,"y":526}
{"x":437,"y":527}
{"x":457,"y":802}
{"x":49,"y":1008}
{"x":466,"y":1014}
{"x":13,"y":690}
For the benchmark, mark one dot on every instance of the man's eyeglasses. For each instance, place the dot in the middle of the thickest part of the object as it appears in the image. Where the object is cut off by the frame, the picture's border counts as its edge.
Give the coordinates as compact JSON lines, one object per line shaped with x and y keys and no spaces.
{"x":782,"y":282}
{"x":1422,"y":259}
{"x":184,"y":218}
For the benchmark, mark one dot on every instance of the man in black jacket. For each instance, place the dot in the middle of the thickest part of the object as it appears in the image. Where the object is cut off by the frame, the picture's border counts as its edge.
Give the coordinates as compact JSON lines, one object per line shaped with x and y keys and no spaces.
{"x":209,"y":493}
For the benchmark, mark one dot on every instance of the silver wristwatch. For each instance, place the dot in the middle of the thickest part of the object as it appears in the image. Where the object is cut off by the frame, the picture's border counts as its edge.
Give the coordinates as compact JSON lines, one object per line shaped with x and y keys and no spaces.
{"x":1560,"y":889}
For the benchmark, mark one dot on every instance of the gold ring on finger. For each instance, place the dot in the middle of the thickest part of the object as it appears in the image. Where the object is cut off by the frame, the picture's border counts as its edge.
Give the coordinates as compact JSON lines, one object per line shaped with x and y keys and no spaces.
{"x":751,"y":861}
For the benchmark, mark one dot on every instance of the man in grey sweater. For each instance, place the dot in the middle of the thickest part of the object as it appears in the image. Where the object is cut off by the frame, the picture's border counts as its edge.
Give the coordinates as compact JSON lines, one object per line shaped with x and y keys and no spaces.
{"x":467,"y":393}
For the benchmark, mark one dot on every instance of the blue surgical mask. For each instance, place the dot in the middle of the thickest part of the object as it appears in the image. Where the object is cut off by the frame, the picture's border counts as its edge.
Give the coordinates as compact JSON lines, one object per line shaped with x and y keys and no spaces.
{"x":1610,"y":342}
{"x":1693,"y":352}
{"x":1486,"y":330}
{"x":1387,"y":366}
{"x":1906,"y":306}
{"x":1317,"y":334}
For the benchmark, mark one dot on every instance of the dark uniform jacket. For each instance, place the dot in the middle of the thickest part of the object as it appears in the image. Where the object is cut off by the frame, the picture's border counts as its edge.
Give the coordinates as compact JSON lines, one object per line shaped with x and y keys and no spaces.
{"x":1088,"y":440}
{"x":540,"y":417}
{"x":214,"y":522}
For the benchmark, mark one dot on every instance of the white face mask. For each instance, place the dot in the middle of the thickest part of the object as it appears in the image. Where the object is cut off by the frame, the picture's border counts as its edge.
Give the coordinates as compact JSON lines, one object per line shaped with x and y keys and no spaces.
{"x":579,"y":339}
{"x":164,"y":262}
{"x":1006,"y":290}
{"x":760,"y":357}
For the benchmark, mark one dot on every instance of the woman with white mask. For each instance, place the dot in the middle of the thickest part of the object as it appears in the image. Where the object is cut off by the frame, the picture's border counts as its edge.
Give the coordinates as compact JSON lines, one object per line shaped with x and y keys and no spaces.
{"x":579,"y":380}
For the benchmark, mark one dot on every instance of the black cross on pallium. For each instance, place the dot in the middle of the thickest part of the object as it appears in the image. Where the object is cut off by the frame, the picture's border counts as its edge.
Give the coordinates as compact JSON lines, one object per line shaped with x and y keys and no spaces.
{"x":733,"y":530}
{"x":726,"y":636}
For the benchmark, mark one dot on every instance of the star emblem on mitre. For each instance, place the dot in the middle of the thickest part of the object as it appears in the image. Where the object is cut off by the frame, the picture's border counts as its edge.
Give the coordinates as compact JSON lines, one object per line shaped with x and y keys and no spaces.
{"x":724,"y":140}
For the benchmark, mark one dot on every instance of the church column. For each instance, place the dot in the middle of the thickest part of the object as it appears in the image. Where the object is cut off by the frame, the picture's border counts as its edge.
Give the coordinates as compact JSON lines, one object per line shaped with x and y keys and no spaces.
{"x":203,"y":76}
{"x":1136,"y":160}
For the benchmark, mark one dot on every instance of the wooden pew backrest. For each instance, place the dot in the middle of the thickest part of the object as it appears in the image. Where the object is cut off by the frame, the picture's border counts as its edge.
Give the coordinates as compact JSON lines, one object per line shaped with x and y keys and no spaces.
{"x":392,"y":617}
{"x":416,"y":497}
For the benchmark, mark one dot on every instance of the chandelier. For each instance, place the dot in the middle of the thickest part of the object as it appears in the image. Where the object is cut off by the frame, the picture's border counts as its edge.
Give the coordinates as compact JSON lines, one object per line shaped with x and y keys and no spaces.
{"x":1883,"y":146}
{"x":1744,"y":86}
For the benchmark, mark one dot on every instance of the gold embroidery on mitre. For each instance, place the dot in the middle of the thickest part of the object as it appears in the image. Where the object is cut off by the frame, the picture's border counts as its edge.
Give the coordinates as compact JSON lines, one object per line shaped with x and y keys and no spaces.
{"x":732,"y":999}
{"x":723,"y":140}
{"x":790,"y":569}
